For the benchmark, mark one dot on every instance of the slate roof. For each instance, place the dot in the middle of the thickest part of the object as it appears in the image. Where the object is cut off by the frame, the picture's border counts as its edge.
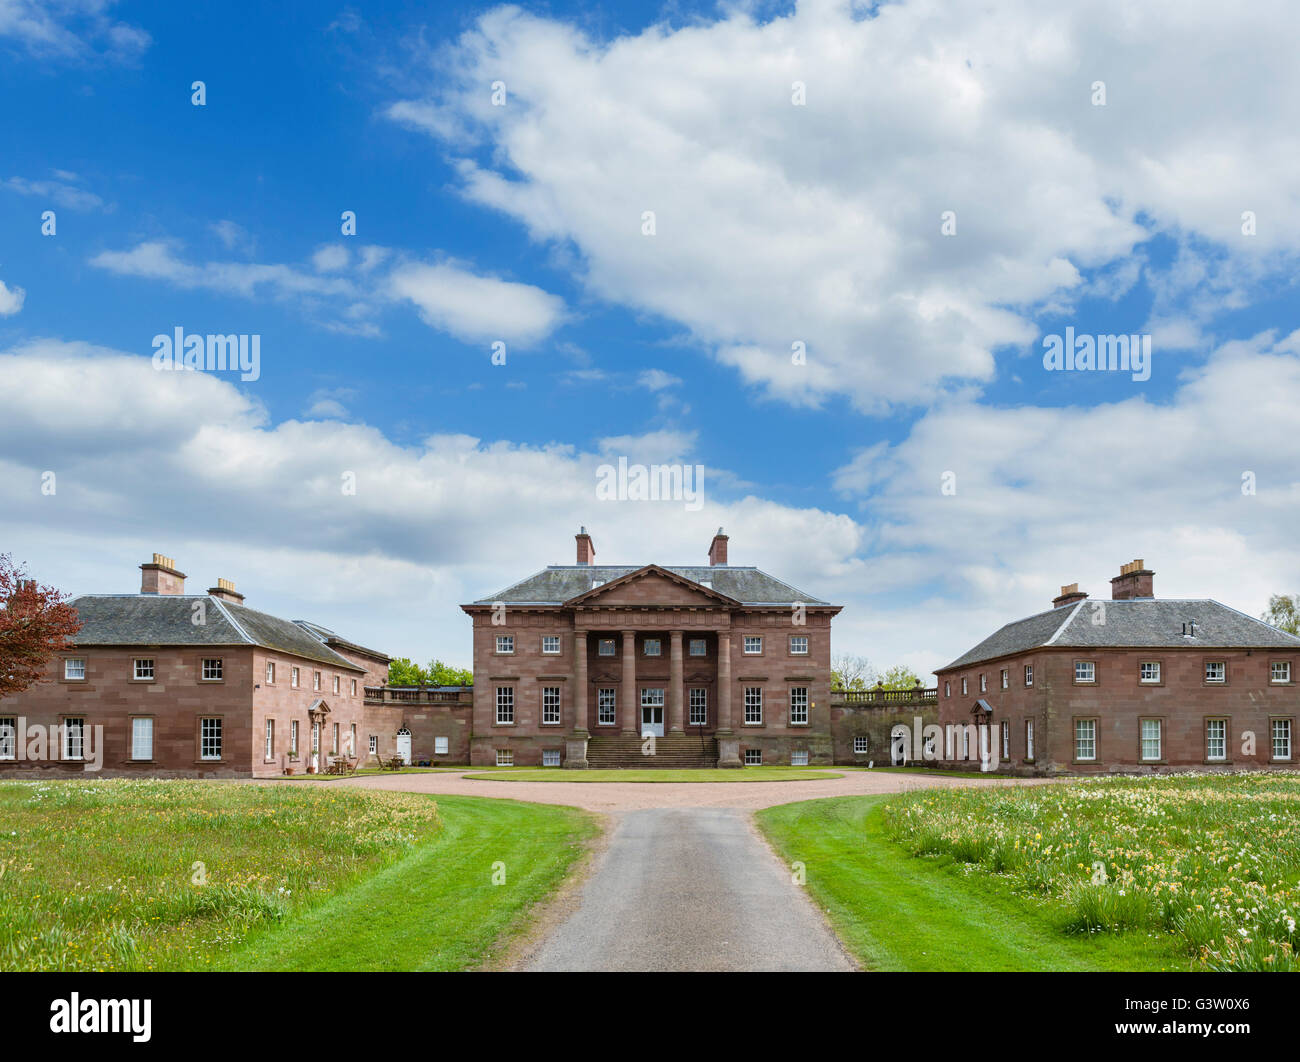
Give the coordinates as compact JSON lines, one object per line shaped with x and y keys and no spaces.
{"x":166,"y":619}
{"x":558,"y":583}
{"x":1138,"y":623}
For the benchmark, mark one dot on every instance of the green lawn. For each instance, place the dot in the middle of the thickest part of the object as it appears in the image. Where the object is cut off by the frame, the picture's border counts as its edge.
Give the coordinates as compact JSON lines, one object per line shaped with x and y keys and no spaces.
{"x":173,"y":875}
{"x":661,"y":774}
{"x":895,"y":911}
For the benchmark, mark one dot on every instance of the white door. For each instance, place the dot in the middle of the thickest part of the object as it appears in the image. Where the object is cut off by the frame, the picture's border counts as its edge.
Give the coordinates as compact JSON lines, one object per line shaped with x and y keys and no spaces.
{"x":404,"y":745}
{"x":652,"y":720}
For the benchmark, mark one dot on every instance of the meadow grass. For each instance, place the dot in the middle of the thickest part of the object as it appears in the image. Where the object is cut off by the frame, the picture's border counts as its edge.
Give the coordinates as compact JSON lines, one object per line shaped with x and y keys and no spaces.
{"x":1210,"y":861}
{"x":173,"y":875}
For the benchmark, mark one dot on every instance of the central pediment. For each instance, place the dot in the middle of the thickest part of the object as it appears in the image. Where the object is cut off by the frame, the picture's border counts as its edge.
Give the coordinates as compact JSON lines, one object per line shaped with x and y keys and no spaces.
{"x":652,"y":587}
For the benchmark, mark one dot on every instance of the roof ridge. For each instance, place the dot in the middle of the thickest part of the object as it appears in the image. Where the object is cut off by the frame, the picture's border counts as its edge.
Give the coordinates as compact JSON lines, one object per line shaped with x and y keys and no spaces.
{"x":221,"y":606}
{"x":1066,"y":622}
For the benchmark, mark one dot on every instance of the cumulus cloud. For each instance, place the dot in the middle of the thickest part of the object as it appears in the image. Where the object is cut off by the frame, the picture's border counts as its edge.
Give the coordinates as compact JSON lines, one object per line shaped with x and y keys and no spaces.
{"x":477,"y":308}
{"x":62,"y":191}
{"x":820,"y":223}
{"x":11,"y":299}
{"x":71,"y":30}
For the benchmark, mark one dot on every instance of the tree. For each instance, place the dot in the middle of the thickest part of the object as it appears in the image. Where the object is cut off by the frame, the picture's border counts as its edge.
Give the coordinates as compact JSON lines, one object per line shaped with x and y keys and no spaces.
{"x":900,"y":677}
{"x":1284,"y":613}
{"x":441,"y":674}
{"x":402,"y":672}
{"x":35,"y":624}
{"x":849,"y":672}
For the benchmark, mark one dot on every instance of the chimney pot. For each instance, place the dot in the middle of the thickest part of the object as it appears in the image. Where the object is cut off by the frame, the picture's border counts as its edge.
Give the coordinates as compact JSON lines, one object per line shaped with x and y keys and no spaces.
{"x":718,"y":550}
{"x":161,"y":576}
{"x":1135,"y":580}
{"x":1068,"y":596}
{"x":586,"y":548}
{"x":225,"y":591}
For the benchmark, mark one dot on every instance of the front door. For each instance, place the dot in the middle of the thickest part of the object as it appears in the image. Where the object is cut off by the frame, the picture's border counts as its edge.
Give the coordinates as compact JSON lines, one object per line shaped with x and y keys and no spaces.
{"x":652,"y":720}
{"x":404,"y":745}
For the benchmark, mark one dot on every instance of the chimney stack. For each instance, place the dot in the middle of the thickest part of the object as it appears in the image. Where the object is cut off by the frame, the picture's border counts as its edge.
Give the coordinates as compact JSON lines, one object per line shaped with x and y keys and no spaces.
{"x":1134,"y":580}
{"x":225,"y":591}
{"x":718,"y":550}
{"x":586,"y":551}
{"x":1068,"y":596}
{"x":161,"y":577}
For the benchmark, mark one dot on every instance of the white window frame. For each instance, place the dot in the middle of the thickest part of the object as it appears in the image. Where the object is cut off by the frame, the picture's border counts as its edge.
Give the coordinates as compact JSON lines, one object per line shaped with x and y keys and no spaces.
{"x":698,"y":647}
{"x":270,"y":739}
{"x":1085,"y":735}
{"x":210,"y":737}
{"x":505,"y":645}
{"x":550,"y":757}
{"x":984,"y":683}
{"x":798,"y":705}
{"x":335,"y":747}
{"x":8,"y":737}
{"x":141,"y":742}
{"x":270,"y":673}
{"x":1006,"y":678}
{"x":1285,"y":673}
{"x":551,"y":706}
{"x":652,"y":696}
{"x":861,"y":746}
{"x":656,"y":643}
{"x":1085,"y":672}
{"x":699,"y":706}
{"x":72,"y":665}
{"x":799,"y":758}
{"x":753,"y":757}
{"x":1149,"y":672}
{"x":294,"y":677}
{"x":965,"y":688}
{"x":374,"y":744}
{"x":1212,"y":739}
{"x":606,"y":643}
{"x":315,"y":681}
{"x":753,"y":645}
{"x":1029,"y":674}
{"x":753,"y":705}
{"x":606,"y":707}
{"x":1029,"y":739}
{"x":1280,"y":737}
{"x":550,"y":645}
{"x":354,"y":687}
{"x":209,"y":673}
{"x":74,"y":738}
{"x":947,"y":689}
{"x":798,"y":645}
{"x":1006,"y":740}
{"x":1145,"y":739}
{"x":505,"y":757}
{"x":143,"y":669}
{"x":293,"y":737}
{"x":505,"y":714}
{"x":335,"y":688}
{"x":1222,"y":673}
{"x":441,"y":746}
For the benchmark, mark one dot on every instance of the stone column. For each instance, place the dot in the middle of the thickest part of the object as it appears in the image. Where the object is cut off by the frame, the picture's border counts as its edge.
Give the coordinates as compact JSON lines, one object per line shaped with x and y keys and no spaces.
{"x":631,"y":698}
{"x":728,"y":743}
{"x":580,"y":682}
{"x":675,"y":683}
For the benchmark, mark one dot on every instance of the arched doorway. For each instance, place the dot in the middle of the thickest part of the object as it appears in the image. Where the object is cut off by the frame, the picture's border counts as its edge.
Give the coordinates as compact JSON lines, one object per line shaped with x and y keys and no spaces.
{"x":404,"y":745}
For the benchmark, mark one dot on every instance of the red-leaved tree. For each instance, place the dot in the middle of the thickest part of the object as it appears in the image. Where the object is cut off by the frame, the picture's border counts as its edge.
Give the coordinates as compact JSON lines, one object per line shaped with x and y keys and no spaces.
{"x":35,"y":623}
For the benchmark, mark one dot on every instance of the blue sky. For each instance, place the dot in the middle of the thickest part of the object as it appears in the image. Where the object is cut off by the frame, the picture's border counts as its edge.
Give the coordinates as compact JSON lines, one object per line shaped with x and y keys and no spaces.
{"x":776,"y":223}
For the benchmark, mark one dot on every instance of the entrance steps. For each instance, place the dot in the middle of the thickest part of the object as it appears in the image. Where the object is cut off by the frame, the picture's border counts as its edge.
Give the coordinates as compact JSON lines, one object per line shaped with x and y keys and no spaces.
{"x":671,"y":751}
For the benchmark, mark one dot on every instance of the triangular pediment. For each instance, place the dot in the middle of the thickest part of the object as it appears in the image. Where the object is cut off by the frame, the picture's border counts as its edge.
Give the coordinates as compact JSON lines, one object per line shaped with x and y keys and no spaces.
{"x":652,"y":587}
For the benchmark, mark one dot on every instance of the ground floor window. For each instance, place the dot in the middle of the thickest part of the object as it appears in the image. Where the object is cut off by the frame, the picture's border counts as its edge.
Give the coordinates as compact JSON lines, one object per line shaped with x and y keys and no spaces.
{"x":1151,"y":739}
{"x":699,"y":707}
{"x":605,"y":707}
{"x":440,"y":746}
{"x":1029,"y":739}
{"x":505,"y":758}
{"x":1281,"y":739}
{"x":799,"y":706}
{"x":335,"y":747}
{"x":861,"y":746}
{"x":753,"y":757}
{"x":1006,"y":739}
{"x":505,"y":704}
{"x":293,"y":738}
{"x":209,"y":739}
{"x":550,"y":757}
{"x":1216,"y":739}
{"x":8,"y":737}
{"x":1085,"y":739}
{"x":74,"y":739}
{"x":799,"y":759}
{"x":374,"y":743}
{"x":270,"y":738}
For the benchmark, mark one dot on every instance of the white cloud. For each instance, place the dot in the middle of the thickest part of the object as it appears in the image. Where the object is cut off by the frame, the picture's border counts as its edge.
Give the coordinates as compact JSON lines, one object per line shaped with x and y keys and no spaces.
{"x":820,"y":224}
{"x":330,"y":258}
{"x":62,"y":192}
{"x":71,"y":29}
{"x":477,"y":308}
{"x":657,"y":379}
{"x":11,"y":299}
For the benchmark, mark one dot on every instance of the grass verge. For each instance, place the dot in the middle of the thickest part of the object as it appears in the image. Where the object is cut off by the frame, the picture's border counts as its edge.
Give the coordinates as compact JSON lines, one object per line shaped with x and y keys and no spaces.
{"x":661,"y":774}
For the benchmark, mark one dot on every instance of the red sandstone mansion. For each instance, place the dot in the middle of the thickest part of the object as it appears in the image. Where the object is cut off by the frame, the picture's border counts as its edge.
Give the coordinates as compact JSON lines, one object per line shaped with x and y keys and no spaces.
{"x":1093,"y":686}
{"x":721,"y":664}
{"x":178,"y":684}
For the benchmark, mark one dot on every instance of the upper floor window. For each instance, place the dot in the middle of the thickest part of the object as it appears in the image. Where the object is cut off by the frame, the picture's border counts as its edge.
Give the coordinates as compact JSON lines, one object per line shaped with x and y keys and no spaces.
{"x":947,"y":689}
{"x":983,"y":684}
{"x":336,"y":685}
{"x":964,"y":688}
{"x":551,"y":644}
{"x":652,"y":647}
{"x":1085,"y":671}
{"x":753,"y":704}
{"x":799,"y":705}
{"x":505,"y":643}
{"x":798,"y":645}
{"x":1149,"y":671}
{"x":1280,"y":671}
{"x":1029,"y":674}
{"x":212,"y":670}
{"x":605,"y":647}
{"x":270,"y":672}
{"x":550,"y":704}
{"x":315,"y":680}
{"x":1006,"y":678}
{"x":753,"y":644}
{"x":505,"y":704}
{"x":293,"y":677}
{"x":699,"y":647}
{"x":144,"y":669}
{"x":1216,"y":671}
{"x":74,"y":667}
{"x":354,"y":687}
